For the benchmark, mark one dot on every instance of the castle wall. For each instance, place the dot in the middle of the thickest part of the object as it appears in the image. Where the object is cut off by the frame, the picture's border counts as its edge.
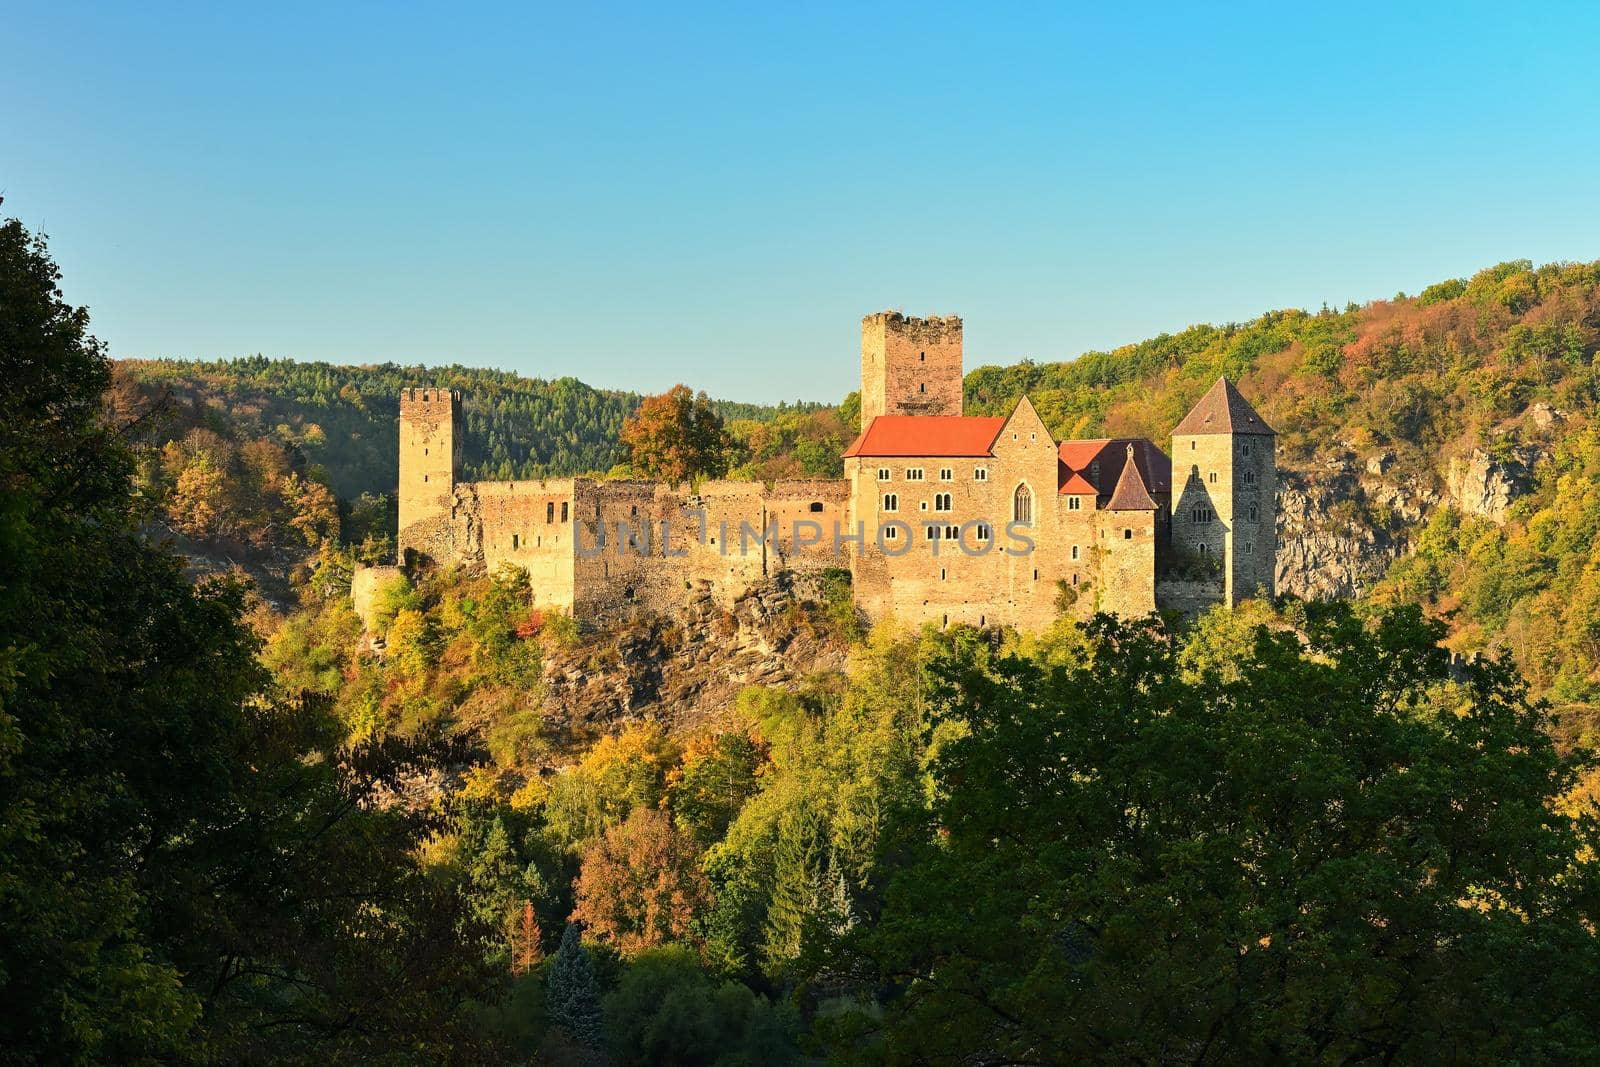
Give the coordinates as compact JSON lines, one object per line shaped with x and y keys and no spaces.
{"x":910,"y":366}
{"x":1080,"y":552}
{"x":525,"y":524}
{"x":1127,"y":563}
{"x":1189,"y":596}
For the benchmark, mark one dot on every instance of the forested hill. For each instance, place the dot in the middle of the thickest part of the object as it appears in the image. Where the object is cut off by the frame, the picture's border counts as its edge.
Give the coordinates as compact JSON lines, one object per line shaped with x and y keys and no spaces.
{"x":1441,"y":448}
{"x":1413,"y":373}
{"x":344,"y":417}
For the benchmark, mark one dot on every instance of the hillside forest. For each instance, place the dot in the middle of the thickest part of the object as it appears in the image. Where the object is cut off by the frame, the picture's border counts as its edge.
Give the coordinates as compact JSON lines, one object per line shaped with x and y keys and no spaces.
{"x":1299,"y":832}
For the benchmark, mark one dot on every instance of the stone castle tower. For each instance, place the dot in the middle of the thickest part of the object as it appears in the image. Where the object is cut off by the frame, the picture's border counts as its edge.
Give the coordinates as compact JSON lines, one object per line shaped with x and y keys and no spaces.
{"x":910,"y":366}
{"x":1225,"y":479}
{"x":430,"y":446}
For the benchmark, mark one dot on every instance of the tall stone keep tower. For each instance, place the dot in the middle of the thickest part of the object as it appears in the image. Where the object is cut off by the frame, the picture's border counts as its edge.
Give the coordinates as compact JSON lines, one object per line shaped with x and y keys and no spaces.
{"x":429,"y":449}
{"x":1225,"y":483}
{"x":910,"y":366}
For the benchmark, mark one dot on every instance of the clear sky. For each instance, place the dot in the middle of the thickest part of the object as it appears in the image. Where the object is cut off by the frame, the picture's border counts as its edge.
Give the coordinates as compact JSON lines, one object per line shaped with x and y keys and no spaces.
{"x":643,"y":195}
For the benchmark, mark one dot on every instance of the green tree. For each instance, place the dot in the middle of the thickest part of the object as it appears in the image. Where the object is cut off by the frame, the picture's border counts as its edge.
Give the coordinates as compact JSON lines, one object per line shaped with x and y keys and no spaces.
{"x":1332,"y":854}
{"x":191,"y":867}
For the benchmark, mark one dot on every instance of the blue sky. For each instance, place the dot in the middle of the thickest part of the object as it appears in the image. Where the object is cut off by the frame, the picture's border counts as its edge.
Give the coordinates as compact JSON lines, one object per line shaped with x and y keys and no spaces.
{"x":643,"y":195}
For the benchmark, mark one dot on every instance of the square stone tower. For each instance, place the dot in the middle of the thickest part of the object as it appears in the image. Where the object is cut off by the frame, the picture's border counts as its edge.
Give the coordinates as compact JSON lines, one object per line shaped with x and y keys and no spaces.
{"x":429,"y":450}
{"x":910,"y":366}
{"x":1225,"y":482}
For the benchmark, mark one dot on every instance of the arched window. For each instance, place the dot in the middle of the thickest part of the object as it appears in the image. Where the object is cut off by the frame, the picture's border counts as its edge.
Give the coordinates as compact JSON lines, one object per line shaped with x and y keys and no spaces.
{"x":1022,"y":504}
{"x":816,"y":506}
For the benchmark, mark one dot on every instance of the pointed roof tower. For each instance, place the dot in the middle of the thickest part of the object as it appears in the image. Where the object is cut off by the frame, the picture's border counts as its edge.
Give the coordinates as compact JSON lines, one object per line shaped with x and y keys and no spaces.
{"x":1130,"y":493}
{"x":1223,"y":410}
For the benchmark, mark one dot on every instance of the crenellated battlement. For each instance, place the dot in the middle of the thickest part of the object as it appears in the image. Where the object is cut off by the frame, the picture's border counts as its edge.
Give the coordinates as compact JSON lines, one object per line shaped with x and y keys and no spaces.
{"x":428,"y":395}
{"x":897,"y":322}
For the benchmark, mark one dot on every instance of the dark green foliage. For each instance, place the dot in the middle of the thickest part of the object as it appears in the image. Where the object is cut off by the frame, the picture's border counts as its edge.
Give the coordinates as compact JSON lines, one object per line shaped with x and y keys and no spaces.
{"x":665,"y":1009}
{"x":1320,"y":850}
{"x":191,"y":868}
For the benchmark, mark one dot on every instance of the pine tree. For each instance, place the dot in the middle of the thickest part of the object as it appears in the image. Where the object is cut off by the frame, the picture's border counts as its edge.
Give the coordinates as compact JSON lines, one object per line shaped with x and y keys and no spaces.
{"x":798,"y":889}
{"x":571,"y":992}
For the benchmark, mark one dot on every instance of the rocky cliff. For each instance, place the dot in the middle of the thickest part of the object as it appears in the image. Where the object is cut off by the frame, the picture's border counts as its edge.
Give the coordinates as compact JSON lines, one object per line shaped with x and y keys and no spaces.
{"x":1343,"y":517}
{"x":686,"y":669}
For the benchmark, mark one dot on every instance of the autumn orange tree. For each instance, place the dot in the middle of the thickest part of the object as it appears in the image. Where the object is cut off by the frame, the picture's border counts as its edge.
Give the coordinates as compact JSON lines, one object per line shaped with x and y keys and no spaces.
{"x":676,"y":436}
{"x":640,"y":885}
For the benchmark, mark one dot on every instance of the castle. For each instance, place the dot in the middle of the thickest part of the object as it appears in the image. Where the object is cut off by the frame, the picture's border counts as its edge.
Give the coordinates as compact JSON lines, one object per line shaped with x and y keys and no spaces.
{"x":941,"y":516}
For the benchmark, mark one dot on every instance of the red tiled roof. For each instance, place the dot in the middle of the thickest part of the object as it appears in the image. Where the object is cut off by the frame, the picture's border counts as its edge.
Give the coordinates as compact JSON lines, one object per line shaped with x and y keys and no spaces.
{"x":1130,"y":494}
{"x":927,"y":435}
{"x":1077,"y":485}
{"x":1100,"y":462}
{"x":1079,"y":454}
{"x":1223,"y":410}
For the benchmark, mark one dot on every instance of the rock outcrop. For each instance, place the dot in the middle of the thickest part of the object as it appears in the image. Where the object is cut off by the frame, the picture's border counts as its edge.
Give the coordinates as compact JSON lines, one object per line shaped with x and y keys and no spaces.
{"x":1486,"y":484}
{"x":686,"y":669}
{"x":1342,"y":520}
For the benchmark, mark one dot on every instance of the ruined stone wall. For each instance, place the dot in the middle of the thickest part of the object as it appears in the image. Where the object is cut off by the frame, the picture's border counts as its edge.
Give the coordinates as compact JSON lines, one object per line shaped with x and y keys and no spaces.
{"x":526,"y":524}
{"x":825,"y":502}
{"x":910,"y":366}
{"x":364,"y":585}
{"x":1253,"y":553}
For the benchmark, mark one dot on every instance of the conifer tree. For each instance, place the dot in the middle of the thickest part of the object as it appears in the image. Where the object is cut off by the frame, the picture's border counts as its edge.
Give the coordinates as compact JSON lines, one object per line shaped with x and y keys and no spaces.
{"x":526,"y":951}
{"x":571,"y":993}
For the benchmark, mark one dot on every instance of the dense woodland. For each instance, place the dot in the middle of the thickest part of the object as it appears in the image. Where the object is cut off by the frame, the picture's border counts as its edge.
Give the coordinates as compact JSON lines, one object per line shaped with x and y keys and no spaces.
{"x":1295,"y":833}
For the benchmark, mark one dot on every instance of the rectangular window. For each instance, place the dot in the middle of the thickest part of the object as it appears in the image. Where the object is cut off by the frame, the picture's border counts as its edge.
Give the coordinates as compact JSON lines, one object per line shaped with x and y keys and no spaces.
{"x":1074,"y":504}
{"x":913,"y":474}
{"x":890,"y":533}
{"x":1212,"y":477}
{"x":980,"y":474}
{"x":883,"y":474}
{"x":1254,"y":514}
{"x":1074,"y":551}
{"x":1249,"y":546}
{"x":946,"y":474}
{"x":983,"y":531}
